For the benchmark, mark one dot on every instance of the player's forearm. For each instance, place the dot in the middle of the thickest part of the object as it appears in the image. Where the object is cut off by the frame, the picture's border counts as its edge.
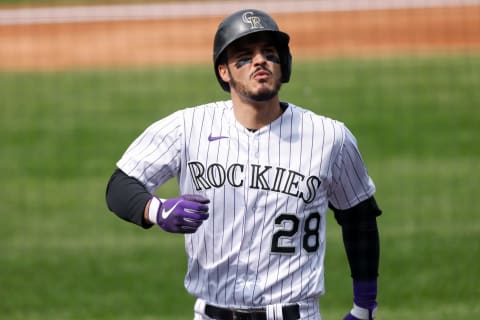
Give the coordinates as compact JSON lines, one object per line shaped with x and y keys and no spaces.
{"x":362,"y":245}
{"x":128,"y":198}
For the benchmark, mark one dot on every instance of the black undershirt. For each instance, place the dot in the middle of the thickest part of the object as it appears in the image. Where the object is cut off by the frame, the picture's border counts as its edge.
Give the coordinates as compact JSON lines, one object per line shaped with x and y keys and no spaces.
{"x":360,"y":238}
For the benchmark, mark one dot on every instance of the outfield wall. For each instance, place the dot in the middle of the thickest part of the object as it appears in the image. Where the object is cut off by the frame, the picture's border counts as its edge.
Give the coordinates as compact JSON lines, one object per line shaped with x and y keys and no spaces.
{"x":159,"y":34}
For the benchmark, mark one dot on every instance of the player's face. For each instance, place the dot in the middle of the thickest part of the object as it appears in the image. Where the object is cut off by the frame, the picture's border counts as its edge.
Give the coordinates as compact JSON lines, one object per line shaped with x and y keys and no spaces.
{"x":253,"y":68}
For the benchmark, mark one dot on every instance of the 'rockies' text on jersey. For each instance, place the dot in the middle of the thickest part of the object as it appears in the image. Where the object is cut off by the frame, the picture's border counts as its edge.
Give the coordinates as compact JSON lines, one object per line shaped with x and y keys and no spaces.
{"x":284,"y":180}
{"x":264,"y":242}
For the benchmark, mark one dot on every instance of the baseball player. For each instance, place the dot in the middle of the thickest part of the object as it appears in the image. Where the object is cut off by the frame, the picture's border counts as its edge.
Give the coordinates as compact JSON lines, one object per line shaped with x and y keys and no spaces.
{"x":256,"y":177}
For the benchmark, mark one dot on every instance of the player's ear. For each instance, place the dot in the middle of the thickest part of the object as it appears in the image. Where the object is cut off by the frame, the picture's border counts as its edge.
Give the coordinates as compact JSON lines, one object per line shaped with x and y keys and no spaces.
{"x":224,"y":73}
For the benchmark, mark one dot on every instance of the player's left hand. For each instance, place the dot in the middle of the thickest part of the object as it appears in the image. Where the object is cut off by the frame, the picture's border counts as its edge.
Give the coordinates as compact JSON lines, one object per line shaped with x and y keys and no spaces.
{"x":349,"y":316}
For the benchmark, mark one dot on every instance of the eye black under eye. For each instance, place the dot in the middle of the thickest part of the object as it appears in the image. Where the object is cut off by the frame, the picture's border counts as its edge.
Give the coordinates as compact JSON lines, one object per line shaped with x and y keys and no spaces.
{"x":274,"y":58}
{"x":242,"y":61}
{"x":270,"y":56}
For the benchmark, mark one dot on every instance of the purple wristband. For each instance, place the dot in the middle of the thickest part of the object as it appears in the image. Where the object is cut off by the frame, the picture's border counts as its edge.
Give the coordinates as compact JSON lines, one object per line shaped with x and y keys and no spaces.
{"x":365,"y":293}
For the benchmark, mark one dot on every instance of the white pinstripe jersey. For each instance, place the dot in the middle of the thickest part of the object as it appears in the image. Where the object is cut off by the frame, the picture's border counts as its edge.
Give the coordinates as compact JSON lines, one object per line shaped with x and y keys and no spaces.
{"x":264,"y":241}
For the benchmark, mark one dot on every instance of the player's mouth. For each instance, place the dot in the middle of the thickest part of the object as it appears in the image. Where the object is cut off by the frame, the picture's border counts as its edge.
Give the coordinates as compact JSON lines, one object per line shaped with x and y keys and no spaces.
{"x":261,"y":74}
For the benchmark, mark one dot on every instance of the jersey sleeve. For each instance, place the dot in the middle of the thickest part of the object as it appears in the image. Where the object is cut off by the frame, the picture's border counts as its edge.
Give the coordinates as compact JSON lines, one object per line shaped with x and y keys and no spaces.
{"x":351,"y":183}
{"x":153,"y":157}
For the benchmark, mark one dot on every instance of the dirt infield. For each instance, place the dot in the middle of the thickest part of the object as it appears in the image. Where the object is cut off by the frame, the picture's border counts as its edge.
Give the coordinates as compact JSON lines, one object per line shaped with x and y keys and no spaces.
{"x":169,"y":41}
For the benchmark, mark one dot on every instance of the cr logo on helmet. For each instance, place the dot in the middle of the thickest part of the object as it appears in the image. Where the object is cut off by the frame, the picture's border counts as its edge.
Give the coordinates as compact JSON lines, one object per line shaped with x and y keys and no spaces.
{"x":254,"y":21}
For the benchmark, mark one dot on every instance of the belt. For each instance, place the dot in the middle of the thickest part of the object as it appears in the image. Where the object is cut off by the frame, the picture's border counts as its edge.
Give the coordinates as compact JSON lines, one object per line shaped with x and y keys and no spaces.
{"x":290,"y":312}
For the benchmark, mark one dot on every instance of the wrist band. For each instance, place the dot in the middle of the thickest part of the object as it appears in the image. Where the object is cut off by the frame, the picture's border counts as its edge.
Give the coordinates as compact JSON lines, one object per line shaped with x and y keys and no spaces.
{"x":153,"y":210}
{"x":362,"y":313}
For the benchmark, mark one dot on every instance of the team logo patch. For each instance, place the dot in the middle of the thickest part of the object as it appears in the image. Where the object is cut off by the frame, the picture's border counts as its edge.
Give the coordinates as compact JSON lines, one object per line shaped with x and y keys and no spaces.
{"x":254,"y":21}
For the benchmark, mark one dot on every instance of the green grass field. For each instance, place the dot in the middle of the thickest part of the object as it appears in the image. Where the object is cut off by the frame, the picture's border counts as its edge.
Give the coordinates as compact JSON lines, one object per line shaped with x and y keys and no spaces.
{"x":64,"y":256}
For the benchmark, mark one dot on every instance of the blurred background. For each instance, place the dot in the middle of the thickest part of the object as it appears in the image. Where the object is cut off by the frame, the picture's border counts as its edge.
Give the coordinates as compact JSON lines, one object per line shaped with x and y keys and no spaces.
{"x":79,"y":80}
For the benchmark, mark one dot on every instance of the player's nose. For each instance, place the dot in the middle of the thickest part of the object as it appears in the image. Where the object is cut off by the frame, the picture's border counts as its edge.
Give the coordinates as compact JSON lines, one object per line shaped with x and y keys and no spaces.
{"x":259,"y":58}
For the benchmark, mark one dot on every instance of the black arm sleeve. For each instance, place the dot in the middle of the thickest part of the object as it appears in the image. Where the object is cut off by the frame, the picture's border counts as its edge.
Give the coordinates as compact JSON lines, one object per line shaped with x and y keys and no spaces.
{"x":360,"y":238}
{"x":127,"y":197}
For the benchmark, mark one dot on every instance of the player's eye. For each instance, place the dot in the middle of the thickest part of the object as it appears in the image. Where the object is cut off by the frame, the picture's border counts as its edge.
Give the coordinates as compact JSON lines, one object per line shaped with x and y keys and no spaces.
{"x":273,"y":58}
{"x":245,"y":56}
{"x":240,"y":62}
{"x":271,"y":54}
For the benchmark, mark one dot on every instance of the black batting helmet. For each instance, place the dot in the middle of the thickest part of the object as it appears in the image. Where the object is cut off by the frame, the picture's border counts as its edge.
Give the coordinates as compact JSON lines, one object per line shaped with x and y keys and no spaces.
{"x":246,"y":22}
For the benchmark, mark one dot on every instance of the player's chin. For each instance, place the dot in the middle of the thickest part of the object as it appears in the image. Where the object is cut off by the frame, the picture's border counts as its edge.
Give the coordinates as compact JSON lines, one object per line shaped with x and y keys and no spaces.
{"x":265,"y":93}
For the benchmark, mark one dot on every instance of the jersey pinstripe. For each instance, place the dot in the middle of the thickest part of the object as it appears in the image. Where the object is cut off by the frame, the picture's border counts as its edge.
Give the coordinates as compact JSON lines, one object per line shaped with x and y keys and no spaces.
{"x":264,"y":242}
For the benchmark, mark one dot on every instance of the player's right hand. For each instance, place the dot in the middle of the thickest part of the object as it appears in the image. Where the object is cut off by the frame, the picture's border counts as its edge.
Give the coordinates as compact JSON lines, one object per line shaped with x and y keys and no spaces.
{"x":183,"y":214}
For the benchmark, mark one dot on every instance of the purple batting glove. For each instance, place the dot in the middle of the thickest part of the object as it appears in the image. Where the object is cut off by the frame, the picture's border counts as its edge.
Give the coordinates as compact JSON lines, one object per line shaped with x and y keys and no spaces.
{"x":183,"y":214}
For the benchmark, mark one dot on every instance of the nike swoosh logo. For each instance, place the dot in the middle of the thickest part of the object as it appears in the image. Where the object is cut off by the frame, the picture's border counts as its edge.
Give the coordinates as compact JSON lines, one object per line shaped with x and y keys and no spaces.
{"x":166,"y":213}
{"x":214,"y":138}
